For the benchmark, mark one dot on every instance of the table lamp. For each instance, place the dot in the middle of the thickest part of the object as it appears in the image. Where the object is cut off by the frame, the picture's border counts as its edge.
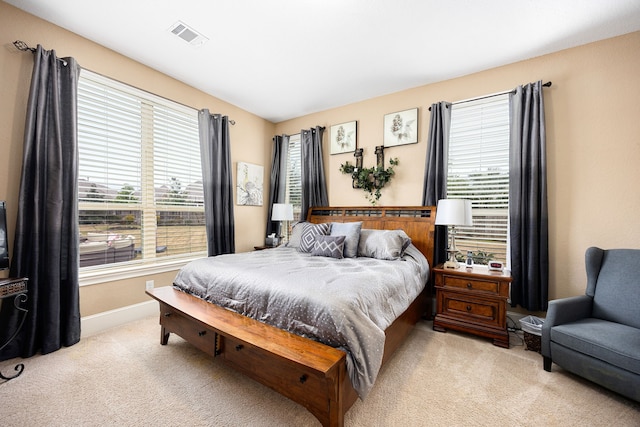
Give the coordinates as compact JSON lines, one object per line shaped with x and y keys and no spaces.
{"x":281,"y":212}
{"x":453,"y":212}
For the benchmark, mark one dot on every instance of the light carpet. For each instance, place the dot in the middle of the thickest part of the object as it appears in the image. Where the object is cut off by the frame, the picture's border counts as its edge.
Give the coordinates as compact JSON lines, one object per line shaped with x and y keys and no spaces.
{"x":125,"y":377}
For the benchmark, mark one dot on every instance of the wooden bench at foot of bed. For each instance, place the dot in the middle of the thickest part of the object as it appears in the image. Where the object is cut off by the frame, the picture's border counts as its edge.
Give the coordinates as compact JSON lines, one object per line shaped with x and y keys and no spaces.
{"x":303,"y":370}
{"x":307,"y":372}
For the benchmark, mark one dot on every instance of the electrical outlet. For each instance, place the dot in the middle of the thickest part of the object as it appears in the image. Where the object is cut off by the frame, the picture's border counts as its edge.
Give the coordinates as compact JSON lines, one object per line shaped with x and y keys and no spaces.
{"x":149,"y":285}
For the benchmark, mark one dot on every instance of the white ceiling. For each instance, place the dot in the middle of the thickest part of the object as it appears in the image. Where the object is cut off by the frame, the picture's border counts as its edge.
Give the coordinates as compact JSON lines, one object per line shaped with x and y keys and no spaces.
{"x":281,"y":59}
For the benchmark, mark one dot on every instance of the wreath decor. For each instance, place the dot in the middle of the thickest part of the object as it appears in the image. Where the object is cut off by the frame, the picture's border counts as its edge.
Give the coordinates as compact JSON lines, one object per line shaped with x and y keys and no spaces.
{"x":372,"y":179}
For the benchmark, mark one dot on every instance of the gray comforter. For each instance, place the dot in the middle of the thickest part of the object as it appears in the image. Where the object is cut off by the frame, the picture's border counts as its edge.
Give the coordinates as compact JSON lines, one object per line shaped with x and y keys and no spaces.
{"x":345,"y":303}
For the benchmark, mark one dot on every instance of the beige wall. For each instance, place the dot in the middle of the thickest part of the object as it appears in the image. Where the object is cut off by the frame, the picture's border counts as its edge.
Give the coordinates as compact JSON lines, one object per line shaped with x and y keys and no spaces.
{"x":250,"y":137}
{"x":593,"y":136}
{"x":593,"y":146}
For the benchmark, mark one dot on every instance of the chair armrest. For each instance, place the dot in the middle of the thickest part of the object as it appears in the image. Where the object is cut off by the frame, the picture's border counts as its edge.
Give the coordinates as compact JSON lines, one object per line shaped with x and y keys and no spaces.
{"x":562,"y":311}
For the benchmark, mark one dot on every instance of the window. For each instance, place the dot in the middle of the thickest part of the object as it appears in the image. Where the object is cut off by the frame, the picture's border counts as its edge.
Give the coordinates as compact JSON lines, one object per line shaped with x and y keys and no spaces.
{"x":478,"y":170}
{"x":140,"y":183}
{"x":294,"y":176}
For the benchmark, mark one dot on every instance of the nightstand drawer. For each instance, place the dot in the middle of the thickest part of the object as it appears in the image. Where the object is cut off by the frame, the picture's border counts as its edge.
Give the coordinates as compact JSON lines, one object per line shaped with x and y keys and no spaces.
{"x":472,"y":309}
{"x":490,"y":286}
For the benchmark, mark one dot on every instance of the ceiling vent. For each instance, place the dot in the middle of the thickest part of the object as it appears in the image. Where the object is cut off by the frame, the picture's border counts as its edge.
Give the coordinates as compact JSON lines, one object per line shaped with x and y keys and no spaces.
{"x":188,"y":34}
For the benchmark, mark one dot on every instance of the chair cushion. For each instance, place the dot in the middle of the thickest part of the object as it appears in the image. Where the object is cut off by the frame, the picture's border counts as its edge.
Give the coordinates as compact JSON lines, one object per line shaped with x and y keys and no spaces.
{"x":610,"y":342}
{"x":617,"y":292}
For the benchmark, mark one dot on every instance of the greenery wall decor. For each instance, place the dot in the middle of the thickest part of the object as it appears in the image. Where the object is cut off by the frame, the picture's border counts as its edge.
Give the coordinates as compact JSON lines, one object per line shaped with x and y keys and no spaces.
{"x":372,"y":179}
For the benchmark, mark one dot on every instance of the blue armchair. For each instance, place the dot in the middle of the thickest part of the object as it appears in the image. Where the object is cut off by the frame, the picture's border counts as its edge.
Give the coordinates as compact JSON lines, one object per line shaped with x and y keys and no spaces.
{"x":597,"y":335}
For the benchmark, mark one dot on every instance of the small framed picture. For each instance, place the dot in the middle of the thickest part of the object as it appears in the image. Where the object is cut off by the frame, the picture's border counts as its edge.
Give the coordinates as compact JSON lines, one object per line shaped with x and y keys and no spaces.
{"x":401,"y":128}
{"x":249,"y":184}
{"x":344,"y":137}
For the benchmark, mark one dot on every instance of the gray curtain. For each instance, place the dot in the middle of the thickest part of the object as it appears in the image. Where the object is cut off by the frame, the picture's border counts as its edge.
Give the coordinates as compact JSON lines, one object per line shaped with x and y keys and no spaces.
{"x":46,"y":235}
{"x":217,"y":180}
{"x":278,"y":181}
{"x":314,"y":184}
{"x":435,"y":171}
{"x":528,"y":216}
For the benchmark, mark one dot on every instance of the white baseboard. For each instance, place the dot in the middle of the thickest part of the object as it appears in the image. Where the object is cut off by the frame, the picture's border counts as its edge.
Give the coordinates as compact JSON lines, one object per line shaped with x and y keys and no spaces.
{"x":96,"y":323}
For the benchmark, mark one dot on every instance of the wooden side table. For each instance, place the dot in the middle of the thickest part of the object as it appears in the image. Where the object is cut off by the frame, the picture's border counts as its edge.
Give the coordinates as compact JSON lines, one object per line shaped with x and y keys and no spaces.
{"x":472,"y":300}
{"x":16,"y":288}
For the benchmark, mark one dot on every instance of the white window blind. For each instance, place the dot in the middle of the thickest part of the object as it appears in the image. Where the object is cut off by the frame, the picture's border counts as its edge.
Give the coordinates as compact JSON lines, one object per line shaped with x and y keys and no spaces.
{"x":478,"y":170}
{"x":140,"y":181}
{"x":294,"y":176}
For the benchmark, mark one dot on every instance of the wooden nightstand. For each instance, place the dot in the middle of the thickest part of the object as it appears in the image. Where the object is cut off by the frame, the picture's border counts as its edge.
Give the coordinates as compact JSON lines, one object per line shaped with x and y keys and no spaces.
{"x":472,"y":300}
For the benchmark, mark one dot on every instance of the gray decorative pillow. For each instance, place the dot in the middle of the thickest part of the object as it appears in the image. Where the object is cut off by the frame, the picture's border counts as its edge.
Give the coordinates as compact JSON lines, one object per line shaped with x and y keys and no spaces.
{"x":329,"y":246}
{"x":351,"y":231}
{"x":309,"y":232}
{"x":383,"y":244}
{"x":296,"y":234}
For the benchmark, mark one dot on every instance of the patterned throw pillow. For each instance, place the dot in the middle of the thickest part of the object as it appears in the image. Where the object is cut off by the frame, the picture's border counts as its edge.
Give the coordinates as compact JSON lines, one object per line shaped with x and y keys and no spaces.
{"x":329,"y":246}
{"x":309,"y":232}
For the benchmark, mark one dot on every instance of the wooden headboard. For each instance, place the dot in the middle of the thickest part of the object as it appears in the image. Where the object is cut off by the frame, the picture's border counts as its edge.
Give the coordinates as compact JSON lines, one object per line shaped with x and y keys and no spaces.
{"x":417,"y":221}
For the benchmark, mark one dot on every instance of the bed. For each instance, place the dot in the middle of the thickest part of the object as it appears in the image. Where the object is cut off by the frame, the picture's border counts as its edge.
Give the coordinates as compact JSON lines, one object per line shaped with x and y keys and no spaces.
{"x":318,"y":376}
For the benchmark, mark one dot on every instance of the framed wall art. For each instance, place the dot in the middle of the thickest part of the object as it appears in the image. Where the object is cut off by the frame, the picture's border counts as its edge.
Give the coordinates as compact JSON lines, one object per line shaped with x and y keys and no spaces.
{"x":344,"y":137}
{"x":401,"y":128}
{"x":250,"y":184}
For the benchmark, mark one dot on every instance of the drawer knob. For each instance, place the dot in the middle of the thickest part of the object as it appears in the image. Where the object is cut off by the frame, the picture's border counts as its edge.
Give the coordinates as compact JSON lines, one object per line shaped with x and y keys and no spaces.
{"x":167,"y":314}
{"x":469,"y":285}
{"x":303,"y":379}
{"x":202,"y":333}
{"x":239,"y":347}
{"x":468,"y":308}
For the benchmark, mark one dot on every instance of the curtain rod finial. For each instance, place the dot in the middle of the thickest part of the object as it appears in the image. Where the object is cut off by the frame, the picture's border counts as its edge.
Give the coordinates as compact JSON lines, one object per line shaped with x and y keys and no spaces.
{"x":22,"y":46}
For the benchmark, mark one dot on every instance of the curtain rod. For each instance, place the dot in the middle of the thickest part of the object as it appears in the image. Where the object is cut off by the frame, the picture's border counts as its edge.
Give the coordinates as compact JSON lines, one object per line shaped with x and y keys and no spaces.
{"x":24,"y":47}
{"x":547,"y":84}
{"x":284,"y":134}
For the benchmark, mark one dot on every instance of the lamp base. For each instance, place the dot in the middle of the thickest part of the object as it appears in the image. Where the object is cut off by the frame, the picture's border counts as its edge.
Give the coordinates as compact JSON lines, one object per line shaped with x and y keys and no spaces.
{"x":451,"y":262}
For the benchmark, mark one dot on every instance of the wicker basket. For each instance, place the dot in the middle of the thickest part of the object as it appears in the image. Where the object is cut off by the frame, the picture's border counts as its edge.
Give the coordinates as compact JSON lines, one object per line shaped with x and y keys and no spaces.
{"x":532,"y":341}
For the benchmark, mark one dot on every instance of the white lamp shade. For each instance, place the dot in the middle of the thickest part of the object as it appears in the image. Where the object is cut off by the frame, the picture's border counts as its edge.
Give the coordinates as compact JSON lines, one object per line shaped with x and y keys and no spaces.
{"x":282,"y":212}
{"x":454,"y":212}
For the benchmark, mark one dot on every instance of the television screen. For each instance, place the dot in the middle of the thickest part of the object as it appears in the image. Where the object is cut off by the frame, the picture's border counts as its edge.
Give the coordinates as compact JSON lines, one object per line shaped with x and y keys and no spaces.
{"x":4,"y":238}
